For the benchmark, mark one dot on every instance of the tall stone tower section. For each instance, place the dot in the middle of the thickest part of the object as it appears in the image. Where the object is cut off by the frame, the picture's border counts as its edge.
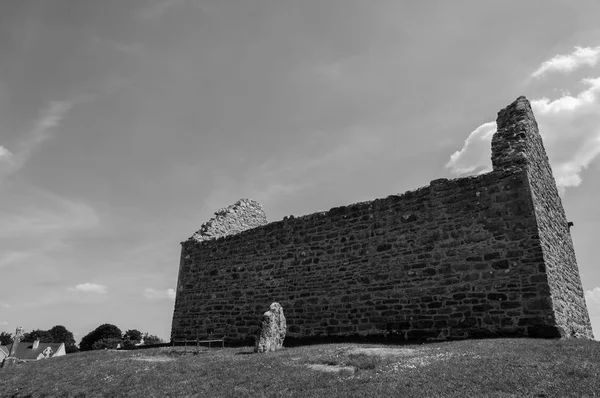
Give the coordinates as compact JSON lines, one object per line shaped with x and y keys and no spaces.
{"x":517,"y":145}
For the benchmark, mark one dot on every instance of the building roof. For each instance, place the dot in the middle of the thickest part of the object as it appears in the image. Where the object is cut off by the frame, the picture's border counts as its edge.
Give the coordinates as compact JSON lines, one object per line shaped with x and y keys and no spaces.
{"x":4,"y":349}
{"x":26,"y":352}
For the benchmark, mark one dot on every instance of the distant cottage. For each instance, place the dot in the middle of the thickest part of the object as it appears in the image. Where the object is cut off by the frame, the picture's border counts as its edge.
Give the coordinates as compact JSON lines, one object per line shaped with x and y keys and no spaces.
{"x":27,"y":351}
{"x":481,"y":256}
{"x":30,"y":351}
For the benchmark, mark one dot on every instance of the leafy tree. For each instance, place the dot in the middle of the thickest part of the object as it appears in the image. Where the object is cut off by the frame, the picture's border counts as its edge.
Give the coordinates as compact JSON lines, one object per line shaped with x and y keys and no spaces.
{"x":5,"y":338}
{"x":133,"y":335}
{"x":57,"y":334}
{"x":131,"y":338}
{"x":104,"y":331}
{"x":60,"y":334}
{"x":151,"y":339}
{"x":43,"y":336}
{"x":107,"y":343}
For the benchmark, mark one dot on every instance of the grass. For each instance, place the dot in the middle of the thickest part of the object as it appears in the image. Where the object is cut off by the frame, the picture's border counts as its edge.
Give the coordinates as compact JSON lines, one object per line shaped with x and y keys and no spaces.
{"x":476,"y":368}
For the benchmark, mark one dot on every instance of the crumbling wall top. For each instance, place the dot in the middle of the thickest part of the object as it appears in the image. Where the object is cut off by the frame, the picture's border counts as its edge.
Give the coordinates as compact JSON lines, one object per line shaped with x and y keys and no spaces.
{"x":240,"y":216}
{"x":516,"y":132}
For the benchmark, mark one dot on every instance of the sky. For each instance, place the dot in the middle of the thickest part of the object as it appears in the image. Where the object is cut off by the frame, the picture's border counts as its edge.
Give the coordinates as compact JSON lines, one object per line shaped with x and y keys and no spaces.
{"x":124,"y":125}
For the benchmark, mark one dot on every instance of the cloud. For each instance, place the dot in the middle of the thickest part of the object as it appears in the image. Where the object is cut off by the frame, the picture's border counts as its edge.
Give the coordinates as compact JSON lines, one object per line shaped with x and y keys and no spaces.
{"x":3,"y":323}
{"x":50,"y":118}
{"x":33,"y":213}
{"x":36,"y":223}
{"x":570,"y":128}
{"x":582,"y":56}
{"x":474,"y":157}
{"x":7,"y":161}
{"x":284,"y":175}
{"x":593,"y":296}
{"x":90,"y":288}
{"x":153,"y":294}
{"x":5,"y":305}
{"x":158,"y":9}
{"x":592,"y":299}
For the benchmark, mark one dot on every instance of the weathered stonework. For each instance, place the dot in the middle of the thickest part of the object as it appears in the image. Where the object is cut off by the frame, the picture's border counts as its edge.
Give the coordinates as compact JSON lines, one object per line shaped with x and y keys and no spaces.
{"x":272,"y":330}
{"x":487,"y":255}
{"x":240,"y":216}
{"x":11,"y":359}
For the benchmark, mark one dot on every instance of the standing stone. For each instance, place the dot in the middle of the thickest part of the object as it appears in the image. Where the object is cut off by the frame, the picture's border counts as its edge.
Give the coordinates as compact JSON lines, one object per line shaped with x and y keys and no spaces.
{"x":12,"y":359}
{"x":16,"y":340}
{"x":272,"y":331}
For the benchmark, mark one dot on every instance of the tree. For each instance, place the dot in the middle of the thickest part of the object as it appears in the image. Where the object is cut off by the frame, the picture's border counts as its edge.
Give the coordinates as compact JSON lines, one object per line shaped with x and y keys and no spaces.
{"x":133,"y":335}
{"x":57,"y":334}
{"x":151,"y":339}
{"x":107,"y":343}
{"x":43,"y":336}
{"x":60,"y":334}
{"x":5,"y":338}
{"x":131,"y":338}
{"x":104,"y":331}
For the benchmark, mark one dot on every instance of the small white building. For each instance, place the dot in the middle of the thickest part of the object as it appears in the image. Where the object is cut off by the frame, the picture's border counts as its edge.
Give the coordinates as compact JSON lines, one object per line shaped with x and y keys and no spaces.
{"x":27,"y":351}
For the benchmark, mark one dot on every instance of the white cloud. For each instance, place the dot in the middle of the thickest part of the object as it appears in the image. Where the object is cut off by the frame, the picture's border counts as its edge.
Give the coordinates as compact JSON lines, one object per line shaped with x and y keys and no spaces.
{"x":580,"y":57}
{"x":50,"y":118}
{"x":474,"y":157}
{"x":570,"y":128}
{"x":5,"y":154}
{"x":3,"y":323}
{"x":153,"y":294}
{"x":5,"y":305}
{"x":592,"y":299}
{"x":593,"y":296}
{"x":7,"y":161}
{"x":89,"y":288}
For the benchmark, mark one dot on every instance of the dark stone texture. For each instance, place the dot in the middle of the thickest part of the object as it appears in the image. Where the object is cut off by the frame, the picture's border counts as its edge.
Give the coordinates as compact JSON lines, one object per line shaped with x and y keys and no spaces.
{"x":482,"y":256}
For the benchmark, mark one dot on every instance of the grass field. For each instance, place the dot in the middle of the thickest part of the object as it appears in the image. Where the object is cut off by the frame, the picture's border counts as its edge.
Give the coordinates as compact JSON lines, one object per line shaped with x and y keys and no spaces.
{"x":475,"y":368}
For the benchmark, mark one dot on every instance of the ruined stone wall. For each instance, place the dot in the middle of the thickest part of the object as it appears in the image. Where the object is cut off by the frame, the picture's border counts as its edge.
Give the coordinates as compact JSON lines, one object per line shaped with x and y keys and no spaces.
{"x":518,"y":129}
{"x":456,"y":259}
{"x":240,"y":216}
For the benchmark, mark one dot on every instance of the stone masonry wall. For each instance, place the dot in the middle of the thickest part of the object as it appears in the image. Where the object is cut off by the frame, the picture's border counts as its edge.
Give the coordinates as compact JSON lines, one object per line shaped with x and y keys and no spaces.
{"x":517,"y":127}
{"x":240,"y":216}
{"x":459,"y":258}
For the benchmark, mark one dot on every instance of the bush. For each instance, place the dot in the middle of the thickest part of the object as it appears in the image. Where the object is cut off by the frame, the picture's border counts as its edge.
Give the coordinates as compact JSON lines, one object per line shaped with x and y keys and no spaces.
{"x":108,"y":343}
{"x":103,"y":332}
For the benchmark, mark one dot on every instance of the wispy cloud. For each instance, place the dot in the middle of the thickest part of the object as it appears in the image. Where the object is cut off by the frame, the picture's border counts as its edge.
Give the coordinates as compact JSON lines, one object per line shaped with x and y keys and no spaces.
{"x":154,"y":294}
{"x":158,"y":9}
{"x":281,"y":177}
{"x":569,"y":125}
{"x":29,"y":214}
{"x":5,"y":305}
{"x":7,"y":161}
{"x":90,"y":288}
{"x":35,"y":213}
{"x":566,"y":63}
{"x":49,"y":119}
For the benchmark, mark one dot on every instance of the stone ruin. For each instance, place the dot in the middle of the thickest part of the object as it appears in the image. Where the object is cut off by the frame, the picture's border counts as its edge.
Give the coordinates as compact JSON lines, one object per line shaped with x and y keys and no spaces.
{"x":242,"y":215}
{"x":481,"y":256}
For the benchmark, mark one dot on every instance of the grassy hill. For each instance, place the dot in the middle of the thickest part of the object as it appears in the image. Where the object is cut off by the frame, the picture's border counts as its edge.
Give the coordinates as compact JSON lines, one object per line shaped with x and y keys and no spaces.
{"x":476,"y":368}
